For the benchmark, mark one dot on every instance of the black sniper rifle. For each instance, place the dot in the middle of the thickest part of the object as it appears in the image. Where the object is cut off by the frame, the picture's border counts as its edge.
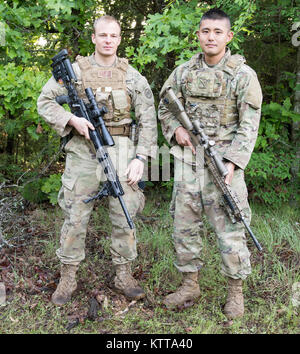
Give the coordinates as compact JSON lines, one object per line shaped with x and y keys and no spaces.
{"x":212,"y":159}
{"x":63,"y":71}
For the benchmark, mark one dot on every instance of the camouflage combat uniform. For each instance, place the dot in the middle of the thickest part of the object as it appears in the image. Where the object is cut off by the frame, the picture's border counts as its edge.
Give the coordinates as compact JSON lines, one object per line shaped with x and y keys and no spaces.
{"x":226,"y":98}
{"x":122,"y":89}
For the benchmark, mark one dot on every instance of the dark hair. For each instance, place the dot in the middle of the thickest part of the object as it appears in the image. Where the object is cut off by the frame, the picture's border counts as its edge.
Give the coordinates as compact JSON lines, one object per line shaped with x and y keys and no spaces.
{"x":215,"y":14}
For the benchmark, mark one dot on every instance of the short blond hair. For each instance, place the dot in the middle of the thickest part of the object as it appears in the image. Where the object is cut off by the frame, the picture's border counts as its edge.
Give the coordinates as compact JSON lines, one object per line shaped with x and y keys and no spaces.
{"x":105,"y":18}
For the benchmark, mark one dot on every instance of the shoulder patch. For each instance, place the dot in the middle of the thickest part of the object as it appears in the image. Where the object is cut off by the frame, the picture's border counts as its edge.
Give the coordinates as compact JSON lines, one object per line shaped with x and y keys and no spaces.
{"x":148,"y":93}
{"x":235,"y":61}
{"x":253,"y":94}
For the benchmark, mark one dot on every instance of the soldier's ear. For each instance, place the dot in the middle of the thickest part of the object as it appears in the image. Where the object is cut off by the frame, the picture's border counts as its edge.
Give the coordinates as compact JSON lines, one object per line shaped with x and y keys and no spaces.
{"x":230,"y":35}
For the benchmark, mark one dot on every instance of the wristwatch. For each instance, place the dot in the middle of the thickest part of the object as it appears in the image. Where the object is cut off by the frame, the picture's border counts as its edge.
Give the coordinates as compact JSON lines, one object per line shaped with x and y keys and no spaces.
{"x":140,"y":158}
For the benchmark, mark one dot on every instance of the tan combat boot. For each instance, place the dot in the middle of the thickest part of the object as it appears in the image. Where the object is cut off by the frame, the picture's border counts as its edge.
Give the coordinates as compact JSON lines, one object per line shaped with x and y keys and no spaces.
{"x":126,"y":284}
{"x":234,"y":306}
{"x":189,"y":290}
{"x":67,"y":285}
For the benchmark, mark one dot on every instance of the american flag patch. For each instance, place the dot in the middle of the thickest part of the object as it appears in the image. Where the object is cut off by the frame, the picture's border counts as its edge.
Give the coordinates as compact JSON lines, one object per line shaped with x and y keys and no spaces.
{"x":106,"y":74}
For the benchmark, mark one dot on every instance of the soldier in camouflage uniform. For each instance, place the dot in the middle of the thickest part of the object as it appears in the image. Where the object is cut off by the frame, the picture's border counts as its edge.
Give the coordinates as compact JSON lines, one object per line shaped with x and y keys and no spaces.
{"x":122,"y":89}
{"x":220,"y":90}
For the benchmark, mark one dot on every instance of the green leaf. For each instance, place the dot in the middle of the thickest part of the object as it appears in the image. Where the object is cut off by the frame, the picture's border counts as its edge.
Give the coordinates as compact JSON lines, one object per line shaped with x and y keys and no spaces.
{"x":287,"y":103}
{"x":275,"y":106}
{"x":32,"y":132}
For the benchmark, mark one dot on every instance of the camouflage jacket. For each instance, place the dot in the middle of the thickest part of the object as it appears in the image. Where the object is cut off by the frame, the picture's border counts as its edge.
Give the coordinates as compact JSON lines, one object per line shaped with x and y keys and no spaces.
{"x":226,"y":97}
{"x":142,"y":103}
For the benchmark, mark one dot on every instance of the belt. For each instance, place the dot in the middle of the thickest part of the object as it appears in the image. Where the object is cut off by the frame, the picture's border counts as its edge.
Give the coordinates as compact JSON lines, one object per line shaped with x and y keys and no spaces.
{"x":123,"y":130}
{"x":120,"y":130}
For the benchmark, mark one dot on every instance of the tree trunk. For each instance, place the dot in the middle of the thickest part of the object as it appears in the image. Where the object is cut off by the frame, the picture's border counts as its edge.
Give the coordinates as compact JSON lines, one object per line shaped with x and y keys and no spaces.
{"x":296,"y":125}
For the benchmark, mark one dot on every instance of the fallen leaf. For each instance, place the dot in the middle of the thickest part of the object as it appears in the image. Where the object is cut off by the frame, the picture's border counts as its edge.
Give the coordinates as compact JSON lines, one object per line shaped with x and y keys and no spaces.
{"x":13,"y":320}
{"x":281,"y":312}
{"x":39,"y":129}
{"x":228,"y":323}
{"x":105,"y":303}
{"x":122,"y":312}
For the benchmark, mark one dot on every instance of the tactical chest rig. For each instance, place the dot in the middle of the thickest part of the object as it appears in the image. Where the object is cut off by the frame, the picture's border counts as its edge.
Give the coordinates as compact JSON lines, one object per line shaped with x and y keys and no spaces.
{"x":109,"y":87}
{"x":208,"y":94}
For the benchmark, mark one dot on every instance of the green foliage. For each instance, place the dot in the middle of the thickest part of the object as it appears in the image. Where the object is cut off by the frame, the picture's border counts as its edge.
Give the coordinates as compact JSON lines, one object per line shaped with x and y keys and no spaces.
{"x":8,"y":170}
{"x":19,"y":88}
{"x":42,"y":189}
{"x":269,"y":171}
{"x":173,"y":31}
{"x":269,"y":48}
{"x":51,"y":187}
{"x":269,"y":176}
{"x":32,"y":191}
{"x":276,"y":119}
{"x":21,"y":126}
{"x":59,"y":23}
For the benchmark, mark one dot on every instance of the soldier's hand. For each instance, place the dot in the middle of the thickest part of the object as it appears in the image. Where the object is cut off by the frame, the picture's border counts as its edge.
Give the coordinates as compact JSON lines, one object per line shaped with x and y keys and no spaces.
{"x":81,"y":125}
{"x":230,"y":168}
{"x":134,"y":171}
{"x":183,"y":138}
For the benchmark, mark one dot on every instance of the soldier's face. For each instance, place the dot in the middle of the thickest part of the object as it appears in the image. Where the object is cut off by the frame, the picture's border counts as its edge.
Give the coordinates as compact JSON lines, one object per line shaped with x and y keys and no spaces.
{"x":106,"y":38}
{"x":213,"y":36}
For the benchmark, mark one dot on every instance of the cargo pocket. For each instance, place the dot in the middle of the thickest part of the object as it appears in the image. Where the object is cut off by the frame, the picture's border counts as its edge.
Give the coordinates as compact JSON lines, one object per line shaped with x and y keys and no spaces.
{"x":66,"y":193}
{"x":140,"y":198}
{"x":68,"y":181}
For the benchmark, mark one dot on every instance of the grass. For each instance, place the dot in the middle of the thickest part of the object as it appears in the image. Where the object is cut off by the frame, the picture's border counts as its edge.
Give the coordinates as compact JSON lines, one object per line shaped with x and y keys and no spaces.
{"x":30,"y":271}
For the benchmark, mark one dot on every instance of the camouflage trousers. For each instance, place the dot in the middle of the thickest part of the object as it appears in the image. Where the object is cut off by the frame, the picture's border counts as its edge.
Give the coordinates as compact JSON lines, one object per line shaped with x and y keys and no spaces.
{"x":195,"y":194}
{"x":81,"y":180}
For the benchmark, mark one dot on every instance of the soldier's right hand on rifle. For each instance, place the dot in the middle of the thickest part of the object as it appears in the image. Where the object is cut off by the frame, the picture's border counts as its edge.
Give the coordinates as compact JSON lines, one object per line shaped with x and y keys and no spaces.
{"x":183,"y":138}
{"x":81,"y":125}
